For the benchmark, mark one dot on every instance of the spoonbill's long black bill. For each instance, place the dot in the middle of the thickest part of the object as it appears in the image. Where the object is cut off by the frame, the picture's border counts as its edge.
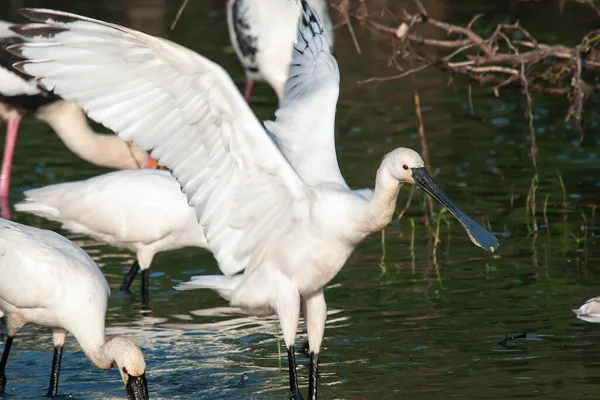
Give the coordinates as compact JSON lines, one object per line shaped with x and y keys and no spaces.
{"x":137,"y":387}
{"x":477,"y":234}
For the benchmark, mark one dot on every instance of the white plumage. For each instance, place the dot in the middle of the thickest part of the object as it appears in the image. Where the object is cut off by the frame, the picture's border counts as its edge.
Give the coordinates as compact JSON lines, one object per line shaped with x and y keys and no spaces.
{"x":589,"y":311}
{"x":263,"y":33}
{"x":275,"y":204}
{"x":20,"y":95}
{"x":47,"y":280}
{"x":140,"y":210}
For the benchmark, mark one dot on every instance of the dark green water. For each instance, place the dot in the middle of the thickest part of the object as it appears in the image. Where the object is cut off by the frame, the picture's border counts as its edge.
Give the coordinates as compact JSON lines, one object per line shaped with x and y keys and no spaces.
{"x":419,"y":323}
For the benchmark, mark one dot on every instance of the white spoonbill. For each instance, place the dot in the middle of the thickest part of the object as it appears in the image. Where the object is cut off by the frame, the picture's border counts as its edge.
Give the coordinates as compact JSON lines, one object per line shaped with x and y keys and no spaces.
{"x":20,"y":95}
{"x":274,"y":203}
{"x":47,"y":280}
{"x":140,"y":210}
{"x":263,"y":33}
{"x":589,"y":311}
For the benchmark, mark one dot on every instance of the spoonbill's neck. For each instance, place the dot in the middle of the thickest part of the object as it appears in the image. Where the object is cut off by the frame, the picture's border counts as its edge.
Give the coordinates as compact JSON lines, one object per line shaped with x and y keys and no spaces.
{"x":380,"y":209}
{"x":105,"y":150}
{"x":114,"y":351}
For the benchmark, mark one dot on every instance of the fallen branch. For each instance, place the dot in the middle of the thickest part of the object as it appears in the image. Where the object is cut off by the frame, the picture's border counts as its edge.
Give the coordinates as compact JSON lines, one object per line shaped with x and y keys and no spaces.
{"x":508,"y":58}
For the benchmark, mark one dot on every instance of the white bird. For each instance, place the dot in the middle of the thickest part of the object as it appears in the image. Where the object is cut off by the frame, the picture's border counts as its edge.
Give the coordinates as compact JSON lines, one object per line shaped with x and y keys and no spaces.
{"x":263,"y":33}
{"x":273,"y":203}
{"x":49,"y":281}
{"x":139,"y":210}
{"x":20,"y":95}
{"x":589,"y":311}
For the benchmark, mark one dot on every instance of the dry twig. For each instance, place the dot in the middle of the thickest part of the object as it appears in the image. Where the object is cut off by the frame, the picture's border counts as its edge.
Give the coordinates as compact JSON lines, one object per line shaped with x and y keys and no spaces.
{"x":508,"y":58}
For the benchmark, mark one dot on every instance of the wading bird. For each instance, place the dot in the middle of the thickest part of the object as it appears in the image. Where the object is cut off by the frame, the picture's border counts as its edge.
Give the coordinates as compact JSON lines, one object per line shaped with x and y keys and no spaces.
{"x":20,"y":95}
{"x":589,"y":311}
{"x":140,"y":210}
{"x":47,"y":280}
{"x":263,"y":33}
{"x":271,"y":201}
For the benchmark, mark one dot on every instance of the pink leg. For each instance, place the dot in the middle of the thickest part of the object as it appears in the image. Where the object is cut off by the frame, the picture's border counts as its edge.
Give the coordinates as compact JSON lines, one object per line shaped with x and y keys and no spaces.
{"x":248,"y":90}
{"x":4,"y":208}
{"x":9,"y":150}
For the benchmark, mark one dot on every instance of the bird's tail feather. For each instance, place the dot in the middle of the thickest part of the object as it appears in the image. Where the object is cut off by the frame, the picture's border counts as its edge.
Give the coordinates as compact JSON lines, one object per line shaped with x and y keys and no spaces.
{"x":45,"y":201}
{"x":221,"y":284}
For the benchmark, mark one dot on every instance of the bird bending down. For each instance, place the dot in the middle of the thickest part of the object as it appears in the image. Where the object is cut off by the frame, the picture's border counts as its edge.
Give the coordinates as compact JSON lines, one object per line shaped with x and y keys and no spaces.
{"x":139,"y":210}
{"x":49,"y":281}
{"x":263,"y":33}
{"x":20,"y":95}
{"x":272,"y":203}
{"x":589,"y":311}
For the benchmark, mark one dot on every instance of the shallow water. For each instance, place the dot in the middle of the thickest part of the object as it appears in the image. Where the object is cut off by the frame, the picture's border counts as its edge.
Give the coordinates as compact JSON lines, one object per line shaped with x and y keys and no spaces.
{"x":403,"y":324}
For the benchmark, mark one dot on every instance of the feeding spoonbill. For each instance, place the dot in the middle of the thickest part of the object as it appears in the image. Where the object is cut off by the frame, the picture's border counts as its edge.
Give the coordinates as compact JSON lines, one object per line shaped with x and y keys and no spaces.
{"x":589,"y":311}
{"x":263,"y":32}
{"x":140,"y":210}
{"x":273,"y":203}
{"x":20,"y":95}
{"x":47,"y":280}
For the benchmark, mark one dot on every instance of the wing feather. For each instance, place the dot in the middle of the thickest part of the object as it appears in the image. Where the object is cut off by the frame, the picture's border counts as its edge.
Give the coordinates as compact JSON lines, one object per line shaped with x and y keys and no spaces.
{"x":185,"y":110}
{"x":304,"y":124}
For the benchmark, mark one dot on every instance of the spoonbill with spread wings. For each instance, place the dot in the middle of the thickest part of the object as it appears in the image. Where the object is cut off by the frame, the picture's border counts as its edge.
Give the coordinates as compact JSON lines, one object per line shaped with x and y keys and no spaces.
{"x":272,"y":202}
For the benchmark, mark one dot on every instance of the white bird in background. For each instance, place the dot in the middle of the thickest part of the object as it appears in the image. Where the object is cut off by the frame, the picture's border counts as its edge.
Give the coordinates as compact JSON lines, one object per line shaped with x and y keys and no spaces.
{"x":589,"y":311}
{"x":263,"y":33}
{"x":47,"y":280}
{"x":140,"y":210}
{"x":273,"y":203}
{"x":20,"y":95}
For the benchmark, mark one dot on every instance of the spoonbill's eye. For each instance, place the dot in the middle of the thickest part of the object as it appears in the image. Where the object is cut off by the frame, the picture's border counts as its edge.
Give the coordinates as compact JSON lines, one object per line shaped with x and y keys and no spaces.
{"x":405,"y":167}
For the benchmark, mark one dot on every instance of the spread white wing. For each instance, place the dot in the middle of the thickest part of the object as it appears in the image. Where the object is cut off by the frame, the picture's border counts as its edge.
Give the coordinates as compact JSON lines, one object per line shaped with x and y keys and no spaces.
{"x":185,"y":110}
{"x":304,"y":125}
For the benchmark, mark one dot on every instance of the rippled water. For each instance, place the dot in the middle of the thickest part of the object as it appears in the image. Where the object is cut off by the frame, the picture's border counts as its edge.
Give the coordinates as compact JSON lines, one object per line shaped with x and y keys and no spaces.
{"x":402,"y":324}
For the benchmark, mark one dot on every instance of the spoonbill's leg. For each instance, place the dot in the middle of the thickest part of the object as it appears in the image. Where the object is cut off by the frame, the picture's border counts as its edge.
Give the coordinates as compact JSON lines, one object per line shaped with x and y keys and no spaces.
{"x":9,"y":151}
{"x":4,"y":213}
{"x":288,"y":311}
{"x":145,"y":286}
{"x":5,"y":352}
{"x":59,"y":336}
{"x":3,"y":329}
{"x":314,"y":309}
{"x":130,"y":276}
{"x":248,"y":90}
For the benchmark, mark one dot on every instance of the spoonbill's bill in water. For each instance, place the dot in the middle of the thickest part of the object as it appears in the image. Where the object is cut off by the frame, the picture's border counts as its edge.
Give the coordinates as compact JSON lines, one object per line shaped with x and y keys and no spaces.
{"x":140,"y":210}
{"x":47,"y":280}
{"x":20,"y":95}
{"x":263,"y":33}
{"x":589,"y":311}
{"x":272,"y":202}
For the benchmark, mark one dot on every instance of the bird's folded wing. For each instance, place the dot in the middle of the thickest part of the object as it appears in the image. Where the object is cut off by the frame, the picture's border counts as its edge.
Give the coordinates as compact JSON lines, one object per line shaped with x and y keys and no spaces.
{"x":185,"y":110}
{"x":304,"y":125}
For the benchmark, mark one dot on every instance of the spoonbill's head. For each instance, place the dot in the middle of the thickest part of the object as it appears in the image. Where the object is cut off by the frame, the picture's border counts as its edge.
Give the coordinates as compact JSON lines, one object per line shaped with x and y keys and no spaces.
{"x":132,"y":366}
{"x":407,"y":166}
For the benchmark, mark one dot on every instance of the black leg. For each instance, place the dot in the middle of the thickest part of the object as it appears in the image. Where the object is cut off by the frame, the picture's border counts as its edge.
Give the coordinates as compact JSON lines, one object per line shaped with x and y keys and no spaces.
{"x":3,"y":329}
{"x":145,"y":286}
{"x":312,"y":377}
{"x":53,"y":387}
{"x":130,"y":276}
{"x":294,"y":390}
{"x":7,"y":347}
